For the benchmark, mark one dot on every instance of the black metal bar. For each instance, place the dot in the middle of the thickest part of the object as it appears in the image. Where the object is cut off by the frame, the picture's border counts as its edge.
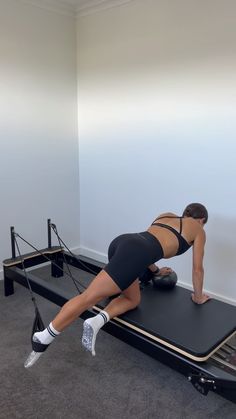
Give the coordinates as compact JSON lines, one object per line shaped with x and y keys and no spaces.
{"x":38,"y":285}
{"x":82,"y":263}
{"x":49,"y":233}
{"x":13,"y":245}
{"x":57,"y":266}
{"x":45,"y":289}
{"x":8,"y":283}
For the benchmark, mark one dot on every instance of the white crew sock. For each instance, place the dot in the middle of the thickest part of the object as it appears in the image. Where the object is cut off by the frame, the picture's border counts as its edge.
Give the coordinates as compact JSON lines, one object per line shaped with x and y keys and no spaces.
{"x":47,"y":335}
{"x":91,"y":327}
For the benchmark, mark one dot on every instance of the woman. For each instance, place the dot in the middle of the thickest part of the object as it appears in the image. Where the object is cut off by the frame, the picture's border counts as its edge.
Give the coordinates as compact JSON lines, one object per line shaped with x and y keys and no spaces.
{"x":129,"y":255}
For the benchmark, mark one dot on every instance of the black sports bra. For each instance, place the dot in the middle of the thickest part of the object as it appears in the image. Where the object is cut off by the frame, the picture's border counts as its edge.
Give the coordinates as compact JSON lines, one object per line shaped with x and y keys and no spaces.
{"x":183,"y":244}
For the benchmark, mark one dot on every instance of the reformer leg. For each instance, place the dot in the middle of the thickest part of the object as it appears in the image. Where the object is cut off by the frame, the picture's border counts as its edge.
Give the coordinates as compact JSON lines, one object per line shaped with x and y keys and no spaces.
{"x":57,"y":268}
{"x":8,"y":284}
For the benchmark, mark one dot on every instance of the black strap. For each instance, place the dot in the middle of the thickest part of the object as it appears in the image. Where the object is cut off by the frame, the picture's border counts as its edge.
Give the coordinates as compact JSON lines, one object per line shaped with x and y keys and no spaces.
{"x":175,"y":232}
{"x":181,"y":225}
{"x":165,"y":225}
{"x":38,"y":324}
{"x":38,"y":346}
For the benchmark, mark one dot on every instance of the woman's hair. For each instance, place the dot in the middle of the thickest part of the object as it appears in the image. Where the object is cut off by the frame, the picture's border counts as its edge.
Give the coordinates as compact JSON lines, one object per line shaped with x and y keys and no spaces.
{"x":196,"y":210}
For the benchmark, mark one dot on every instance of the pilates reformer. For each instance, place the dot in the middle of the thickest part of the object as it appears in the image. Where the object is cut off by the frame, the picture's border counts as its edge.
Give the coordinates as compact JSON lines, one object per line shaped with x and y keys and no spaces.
{"x":198,"y":341}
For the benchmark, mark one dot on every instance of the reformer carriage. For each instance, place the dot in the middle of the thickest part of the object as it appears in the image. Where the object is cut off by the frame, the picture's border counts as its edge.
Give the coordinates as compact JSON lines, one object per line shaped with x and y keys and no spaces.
{"x":198,"y":341}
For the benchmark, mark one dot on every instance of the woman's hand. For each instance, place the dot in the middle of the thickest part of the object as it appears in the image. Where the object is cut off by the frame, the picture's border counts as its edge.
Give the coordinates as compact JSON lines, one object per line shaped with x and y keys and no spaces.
{"x":164,"y":271}
{"x":200,"y":300}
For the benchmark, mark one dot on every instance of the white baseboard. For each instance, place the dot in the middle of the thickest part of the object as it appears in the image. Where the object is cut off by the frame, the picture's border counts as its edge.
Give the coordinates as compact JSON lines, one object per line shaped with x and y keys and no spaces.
{"x":102,"y":257}
{"x":211,"y":294}
{"x":98,"y":256}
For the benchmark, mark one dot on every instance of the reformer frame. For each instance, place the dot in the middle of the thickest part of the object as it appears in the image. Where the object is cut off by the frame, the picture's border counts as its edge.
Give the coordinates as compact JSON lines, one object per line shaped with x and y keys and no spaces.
{"x":212,"y":375}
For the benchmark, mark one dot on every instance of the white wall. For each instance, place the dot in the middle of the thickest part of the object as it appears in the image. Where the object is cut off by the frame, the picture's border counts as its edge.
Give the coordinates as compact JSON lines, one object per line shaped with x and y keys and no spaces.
{"x":157,"y":125}
{"x":38,"y":124}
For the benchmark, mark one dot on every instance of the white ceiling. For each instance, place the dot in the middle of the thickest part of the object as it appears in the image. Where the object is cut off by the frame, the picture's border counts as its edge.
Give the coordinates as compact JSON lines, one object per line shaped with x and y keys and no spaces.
{"x":85,"y":4}
{"x":77,"y":7}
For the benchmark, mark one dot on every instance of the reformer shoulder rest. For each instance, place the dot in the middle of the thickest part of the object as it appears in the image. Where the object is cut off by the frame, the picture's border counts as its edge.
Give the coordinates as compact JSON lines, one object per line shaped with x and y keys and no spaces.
{"x":18,"y":260}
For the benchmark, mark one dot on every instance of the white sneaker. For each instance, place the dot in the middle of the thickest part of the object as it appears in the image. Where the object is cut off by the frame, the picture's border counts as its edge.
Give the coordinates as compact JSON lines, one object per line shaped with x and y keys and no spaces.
{"x":32,"y":358}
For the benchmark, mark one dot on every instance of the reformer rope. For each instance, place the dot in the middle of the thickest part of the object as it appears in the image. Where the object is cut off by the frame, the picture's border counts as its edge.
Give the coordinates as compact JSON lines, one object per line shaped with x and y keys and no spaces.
{"x":69,"y":273}
{"x":49,"y":260}
{"x":38,"y":324}
{"x":64,"y":258}
{"x":26,"y":274}
{"x":54,"y":228}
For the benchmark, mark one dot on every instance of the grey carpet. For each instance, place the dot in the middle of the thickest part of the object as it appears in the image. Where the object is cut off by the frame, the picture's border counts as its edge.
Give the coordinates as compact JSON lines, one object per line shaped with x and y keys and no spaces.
{"x":67,"y":382}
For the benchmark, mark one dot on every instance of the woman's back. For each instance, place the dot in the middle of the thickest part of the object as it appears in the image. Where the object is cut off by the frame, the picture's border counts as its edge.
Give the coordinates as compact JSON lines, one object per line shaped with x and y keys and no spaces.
{"x":175,"y":234}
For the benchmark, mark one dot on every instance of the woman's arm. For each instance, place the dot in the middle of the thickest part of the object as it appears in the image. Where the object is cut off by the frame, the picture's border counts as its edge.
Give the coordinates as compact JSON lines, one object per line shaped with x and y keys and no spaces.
{"x":159,"y":271}
{"x":197,"y":269}
{"x":154,"y":268}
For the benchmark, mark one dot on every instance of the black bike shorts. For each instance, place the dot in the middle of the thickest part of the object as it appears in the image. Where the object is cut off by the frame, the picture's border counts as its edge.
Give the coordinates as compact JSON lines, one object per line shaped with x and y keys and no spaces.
{"x":129,"y":255}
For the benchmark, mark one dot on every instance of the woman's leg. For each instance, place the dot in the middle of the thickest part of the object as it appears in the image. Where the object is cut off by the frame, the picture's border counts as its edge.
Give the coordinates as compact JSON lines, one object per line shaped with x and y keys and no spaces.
{"x":128,"y":300}
{"x":101,"y":287}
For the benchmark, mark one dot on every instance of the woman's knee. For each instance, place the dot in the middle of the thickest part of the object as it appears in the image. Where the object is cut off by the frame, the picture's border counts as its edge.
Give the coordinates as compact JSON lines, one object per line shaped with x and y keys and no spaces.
{"x":133,"y":294}
{"x":134,"y":300}
{"x":137,"y":301}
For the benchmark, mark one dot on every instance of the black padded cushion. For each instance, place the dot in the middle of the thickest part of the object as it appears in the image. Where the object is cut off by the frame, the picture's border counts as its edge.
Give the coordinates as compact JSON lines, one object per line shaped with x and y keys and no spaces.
{"x":174,"y":318}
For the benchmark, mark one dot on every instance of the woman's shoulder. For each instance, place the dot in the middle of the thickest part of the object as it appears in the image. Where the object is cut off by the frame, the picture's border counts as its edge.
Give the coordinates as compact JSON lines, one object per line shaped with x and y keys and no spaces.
{"x":195,"y":229}
{"x":167,"y":214}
